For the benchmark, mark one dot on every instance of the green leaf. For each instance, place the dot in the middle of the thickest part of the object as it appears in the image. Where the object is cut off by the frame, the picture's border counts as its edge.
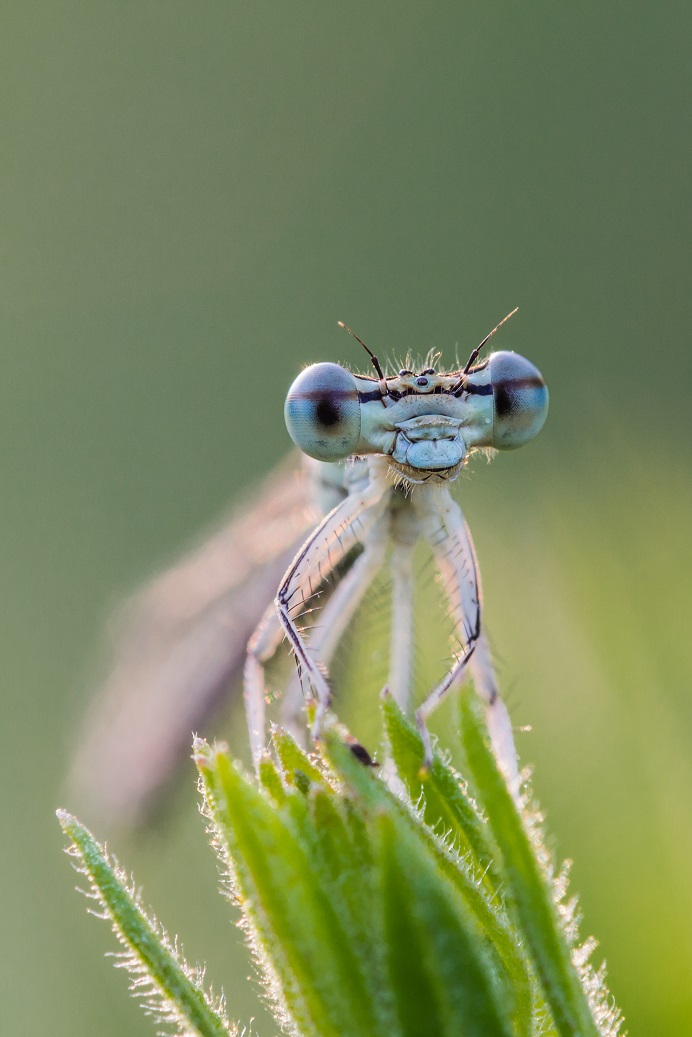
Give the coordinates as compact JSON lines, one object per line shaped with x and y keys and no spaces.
{"x":447,"y":804}
{"x":174,"y":992}
{"x":292,"y":759}
{"x":376,"y":903}
{"x":270,"y":780}
{"x":440,"y":974}
{"x":530,"y":885}
{"x":503,"y":941}
{"x":300,"y":933}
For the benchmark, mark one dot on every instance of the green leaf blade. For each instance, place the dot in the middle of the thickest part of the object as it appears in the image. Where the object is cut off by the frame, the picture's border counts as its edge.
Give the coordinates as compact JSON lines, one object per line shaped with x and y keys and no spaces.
{"x":447,"y":803}
{"x":301,"y":932}
{"x":528,"y":887}
{"x":440,"y":976}
{"x":176,"y":994}
{"x":480,"y":901}
{"x":293,"y":759}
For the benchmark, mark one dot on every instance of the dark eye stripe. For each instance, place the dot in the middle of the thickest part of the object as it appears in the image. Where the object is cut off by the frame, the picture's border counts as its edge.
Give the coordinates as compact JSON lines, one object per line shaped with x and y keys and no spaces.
{"x":317,"y":395}
{"x":474,"y":390}
{"x":509,"y":385}
{"x":368,"y":397}
{"x":520,"y":383}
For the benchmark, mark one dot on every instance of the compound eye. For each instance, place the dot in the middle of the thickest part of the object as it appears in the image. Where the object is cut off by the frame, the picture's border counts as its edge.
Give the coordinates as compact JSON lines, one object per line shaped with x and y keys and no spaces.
{"x":520,"y":400}
{"x":322,"y":412}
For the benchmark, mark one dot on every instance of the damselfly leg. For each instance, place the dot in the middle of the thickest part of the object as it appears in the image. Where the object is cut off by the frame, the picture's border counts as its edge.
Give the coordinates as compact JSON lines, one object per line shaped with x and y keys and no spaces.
{"x":373,"y":513}
{"x":443,"y":525}
{"x":351,"y":523}
{"x":332,"y":619}
{"x":401,"y":641}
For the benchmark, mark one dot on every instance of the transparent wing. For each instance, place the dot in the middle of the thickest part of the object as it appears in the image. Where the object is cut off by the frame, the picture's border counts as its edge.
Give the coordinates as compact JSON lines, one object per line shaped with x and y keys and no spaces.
{"x":180,"y":645}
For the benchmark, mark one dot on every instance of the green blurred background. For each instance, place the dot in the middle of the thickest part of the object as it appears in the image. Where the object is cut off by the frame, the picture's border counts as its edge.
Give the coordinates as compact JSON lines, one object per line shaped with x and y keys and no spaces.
{"x":192,"y":196}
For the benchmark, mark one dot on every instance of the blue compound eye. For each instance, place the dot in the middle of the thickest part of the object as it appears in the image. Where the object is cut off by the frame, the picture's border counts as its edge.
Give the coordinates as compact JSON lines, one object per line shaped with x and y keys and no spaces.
{"x":520,"y":400}
{"x":322,"y":412}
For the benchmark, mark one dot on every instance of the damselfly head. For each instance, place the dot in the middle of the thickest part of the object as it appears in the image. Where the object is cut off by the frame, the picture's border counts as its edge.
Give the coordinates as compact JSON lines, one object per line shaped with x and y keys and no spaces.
{"x":425,"y":422}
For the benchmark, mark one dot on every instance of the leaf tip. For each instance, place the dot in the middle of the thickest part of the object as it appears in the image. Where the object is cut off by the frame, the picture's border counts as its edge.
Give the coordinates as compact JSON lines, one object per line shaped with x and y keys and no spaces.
{"x":203,"y":754}
{"x":66,"y":820}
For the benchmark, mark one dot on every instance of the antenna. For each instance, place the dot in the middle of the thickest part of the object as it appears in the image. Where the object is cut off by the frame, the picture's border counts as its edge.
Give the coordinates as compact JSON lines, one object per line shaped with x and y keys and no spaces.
{"x":474,"y":356}
{"x":373,"y":358}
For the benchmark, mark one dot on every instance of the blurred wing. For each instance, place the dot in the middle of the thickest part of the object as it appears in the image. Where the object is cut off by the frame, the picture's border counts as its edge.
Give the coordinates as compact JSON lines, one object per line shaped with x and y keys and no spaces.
{"x":180,"y":645}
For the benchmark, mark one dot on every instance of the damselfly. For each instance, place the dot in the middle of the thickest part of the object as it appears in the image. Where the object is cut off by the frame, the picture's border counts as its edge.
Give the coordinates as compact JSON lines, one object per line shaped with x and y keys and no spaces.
{"x":381,"y":453}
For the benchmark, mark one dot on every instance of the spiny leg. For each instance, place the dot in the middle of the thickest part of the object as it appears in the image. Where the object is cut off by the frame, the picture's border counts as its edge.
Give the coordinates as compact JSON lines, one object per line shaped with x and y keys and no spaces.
{"x":338,"y":612}
{"x":261,"y":647}
{"x":401,"y":644}
{"x":497,"y":714}
{"x":443,"y":526}
{"x":352,"y":522}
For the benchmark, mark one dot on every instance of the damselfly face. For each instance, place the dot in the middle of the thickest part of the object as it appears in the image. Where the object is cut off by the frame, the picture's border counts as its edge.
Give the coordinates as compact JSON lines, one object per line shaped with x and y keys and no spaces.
{"x":425,"y":423}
